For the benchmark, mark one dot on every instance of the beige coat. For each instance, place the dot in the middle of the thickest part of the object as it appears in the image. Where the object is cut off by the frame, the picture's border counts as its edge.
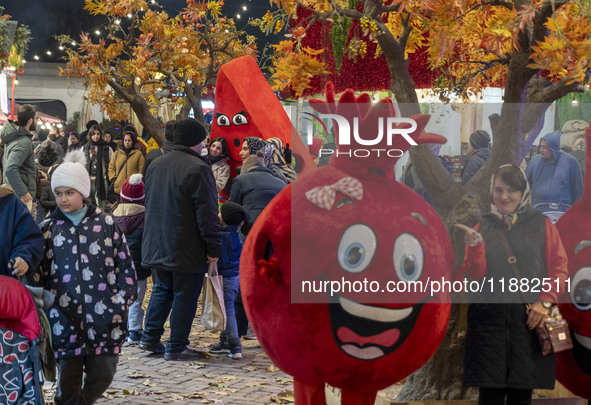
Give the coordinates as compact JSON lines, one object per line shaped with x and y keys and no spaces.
{"x":221,"y":173}
{"x":134,"y":164}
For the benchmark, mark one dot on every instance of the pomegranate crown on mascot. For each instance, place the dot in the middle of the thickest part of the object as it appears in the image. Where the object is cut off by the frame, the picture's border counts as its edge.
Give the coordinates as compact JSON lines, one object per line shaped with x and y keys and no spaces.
{"x":573,"y":367}
{"x":328,"y":268}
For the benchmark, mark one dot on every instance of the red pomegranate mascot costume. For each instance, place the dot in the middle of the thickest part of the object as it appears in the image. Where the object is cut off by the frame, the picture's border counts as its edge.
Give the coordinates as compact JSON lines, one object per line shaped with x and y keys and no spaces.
{"x":349,"y":222}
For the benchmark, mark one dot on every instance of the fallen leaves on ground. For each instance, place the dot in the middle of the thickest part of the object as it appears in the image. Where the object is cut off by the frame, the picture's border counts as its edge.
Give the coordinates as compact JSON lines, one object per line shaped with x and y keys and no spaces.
{"x":256,"y":384}
{"x":223,"y":383}
{"x":284,"y":397}
{"x":197,"y":364}
{"x":137,"y":375}
{"x":147,"y":383}
{"x":283,"y":380}
{"x":272,"y":368}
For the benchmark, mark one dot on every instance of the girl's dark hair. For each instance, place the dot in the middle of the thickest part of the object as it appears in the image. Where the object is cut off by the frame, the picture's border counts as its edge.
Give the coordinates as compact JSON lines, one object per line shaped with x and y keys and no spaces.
{"x":224,"y":145}
{"x":512,"y":176}
{"x":47,"y":155}
{"x":87,"y":201}
{"x":94,"y":128}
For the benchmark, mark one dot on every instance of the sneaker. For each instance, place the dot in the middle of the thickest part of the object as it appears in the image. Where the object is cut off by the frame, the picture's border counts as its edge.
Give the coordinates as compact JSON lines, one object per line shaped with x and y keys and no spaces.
{"x":156,"y":348}
{"x":249,"y":334}
{"x":186,"y":354}
{"x":134,"y":337}
{"x":235,"y":353}
{"x":219,"y":348}
{"x":235,"y":348}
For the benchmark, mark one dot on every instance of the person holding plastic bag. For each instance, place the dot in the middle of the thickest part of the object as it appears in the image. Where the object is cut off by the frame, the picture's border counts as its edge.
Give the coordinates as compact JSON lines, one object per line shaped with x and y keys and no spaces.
{"x":231,"y":215}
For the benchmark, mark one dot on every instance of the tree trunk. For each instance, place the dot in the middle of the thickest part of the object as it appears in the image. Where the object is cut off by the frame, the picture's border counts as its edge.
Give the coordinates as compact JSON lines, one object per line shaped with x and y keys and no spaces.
{"x":193,"y":100}
{"x":439,"y":378}
{"x":141,"y":109}
{"x":152,"y":125}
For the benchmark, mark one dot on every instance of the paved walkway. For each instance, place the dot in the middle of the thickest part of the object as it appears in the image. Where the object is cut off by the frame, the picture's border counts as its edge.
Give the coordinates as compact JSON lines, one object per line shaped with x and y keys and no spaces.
{"x":143,"y":378}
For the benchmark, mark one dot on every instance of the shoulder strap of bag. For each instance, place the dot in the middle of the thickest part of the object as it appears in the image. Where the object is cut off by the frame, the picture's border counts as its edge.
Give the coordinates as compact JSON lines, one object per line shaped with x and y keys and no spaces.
{"x":124,"y":164}
{"x":511,"y":259}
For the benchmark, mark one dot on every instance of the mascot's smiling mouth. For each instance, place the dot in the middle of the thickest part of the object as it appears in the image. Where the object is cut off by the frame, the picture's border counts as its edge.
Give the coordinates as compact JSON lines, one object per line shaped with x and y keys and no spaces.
{"x":582,"y":351}
{"x":368,"y":332}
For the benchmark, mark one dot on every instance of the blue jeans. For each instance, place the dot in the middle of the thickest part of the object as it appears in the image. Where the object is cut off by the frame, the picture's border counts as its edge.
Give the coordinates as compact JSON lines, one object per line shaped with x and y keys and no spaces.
{"x":136,"y":312}
{"x":231,"y":285}
{"x":176,"y":294}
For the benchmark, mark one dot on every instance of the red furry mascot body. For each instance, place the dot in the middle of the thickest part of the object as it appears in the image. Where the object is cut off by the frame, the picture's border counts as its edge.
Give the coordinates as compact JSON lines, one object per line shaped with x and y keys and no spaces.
{"x":348,"y":221}
{"x":573,"y":367}
{"x":246,"y":106}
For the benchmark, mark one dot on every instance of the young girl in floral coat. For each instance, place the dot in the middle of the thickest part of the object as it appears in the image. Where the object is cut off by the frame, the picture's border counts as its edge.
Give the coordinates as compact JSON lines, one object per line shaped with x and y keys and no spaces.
{"x":87,"y":265}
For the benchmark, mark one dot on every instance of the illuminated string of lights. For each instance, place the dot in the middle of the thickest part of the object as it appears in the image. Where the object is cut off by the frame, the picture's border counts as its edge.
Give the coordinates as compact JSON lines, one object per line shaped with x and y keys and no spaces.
{"x":241,"y":13}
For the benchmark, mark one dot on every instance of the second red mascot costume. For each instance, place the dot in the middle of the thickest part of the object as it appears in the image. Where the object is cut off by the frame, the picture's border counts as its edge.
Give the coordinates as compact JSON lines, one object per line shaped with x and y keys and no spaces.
{"x":573,"y":367}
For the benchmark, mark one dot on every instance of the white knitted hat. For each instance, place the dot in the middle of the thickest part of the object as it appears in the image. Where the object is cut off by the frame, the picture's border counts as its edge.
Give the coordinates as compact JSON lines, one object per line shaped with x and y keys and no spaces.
{"x":72,"y":173}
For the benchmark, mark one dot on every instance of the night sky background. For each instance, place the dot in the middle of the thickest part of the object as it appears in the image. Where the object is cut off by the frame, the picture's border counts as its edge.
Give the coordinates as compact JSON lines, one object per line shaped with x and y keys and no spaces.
{"x":47,"y":18}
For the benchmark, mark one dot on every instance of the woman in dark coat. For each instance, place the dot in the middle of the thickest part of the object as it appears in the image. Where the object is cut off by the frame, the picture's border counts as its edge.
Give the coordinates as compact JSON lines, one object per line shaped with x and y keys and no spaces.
{"x":503,"y":355}
{"x":98,"y":155}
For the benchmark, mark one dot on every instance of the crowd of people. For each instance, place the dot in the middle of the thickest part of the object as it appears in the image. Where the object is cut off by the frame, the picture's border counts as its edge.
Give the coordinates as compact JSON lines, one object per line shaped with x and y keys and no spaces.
{"x":109,"y":216}
{"x":97,"y":254}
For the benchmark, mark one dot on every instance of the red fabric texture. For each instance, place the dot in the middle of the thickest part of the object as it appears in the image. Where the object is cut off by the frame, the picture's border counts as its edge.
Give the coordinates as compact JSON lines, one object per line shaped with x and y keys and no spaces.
{"x":365,"y":74}
{"x":573,"y":228}
{"x":294,"y":240}
{"x":17,"y":309}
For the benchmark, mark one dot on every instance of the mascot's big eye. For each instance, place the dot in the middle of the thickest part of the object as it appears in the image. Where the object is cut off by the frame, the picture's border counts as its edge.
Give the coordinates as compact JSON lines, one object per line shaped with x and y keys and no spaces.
{"x":240,"y":119}
{"x":580,"y":293}
{"x":408,"y":257}
{"x":357,"y":248}
{"x":223,"y":120}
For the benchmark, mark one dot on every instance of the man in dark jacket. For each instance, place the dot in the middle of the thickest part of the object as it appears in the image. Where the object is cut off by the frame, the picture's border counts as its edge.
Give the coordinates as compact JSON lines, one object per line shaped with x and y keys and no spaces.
{"x":477,"y":154}
{"x":18,"y":162}
{"x":167,"y":147}
{"x":255,"y":187}
{"x":181,"y":235}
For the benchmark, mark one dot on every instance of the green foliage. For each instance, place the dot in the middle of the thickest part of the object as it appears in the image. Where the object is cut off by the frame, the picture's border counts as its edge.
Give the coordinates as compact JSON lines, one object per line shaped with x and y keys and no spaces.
{"x":338,"y":37}
{"x":19,"y":45}
{"x":74,"y":122}
{"x":566,"y":111}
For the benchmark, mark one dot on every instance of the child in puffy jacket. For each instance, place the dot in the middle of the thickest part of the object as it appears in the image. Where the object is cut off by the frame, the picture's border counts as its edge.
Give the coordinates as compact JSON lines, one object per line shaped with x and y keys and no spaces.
{"x":87,"y":265}
{"x":129,"y":215}
{"x":231,"y":215}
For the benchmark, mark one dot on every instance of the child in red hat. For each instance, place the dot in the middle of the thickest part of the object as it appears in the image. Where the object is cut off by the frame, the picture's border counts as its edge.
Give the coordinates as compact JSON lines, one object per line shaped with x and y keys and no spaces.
{"x":129,"y":215}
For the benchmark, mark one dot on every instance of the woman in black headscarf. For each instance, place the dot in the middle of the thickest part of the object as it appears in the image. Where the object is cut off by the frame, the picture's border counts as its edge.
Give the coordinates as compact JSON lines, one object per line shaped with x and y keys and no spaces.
{"x":98,"y":155}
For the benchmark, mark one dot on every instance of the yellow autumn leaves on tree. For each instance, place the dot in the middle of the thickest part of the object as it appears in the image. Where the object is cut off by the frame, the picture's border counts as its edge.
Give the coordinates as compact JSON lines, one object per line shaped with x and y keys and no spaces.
{"x":143,"y":50}
{"x":470,"y":41}
{"x":295,"y":69}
